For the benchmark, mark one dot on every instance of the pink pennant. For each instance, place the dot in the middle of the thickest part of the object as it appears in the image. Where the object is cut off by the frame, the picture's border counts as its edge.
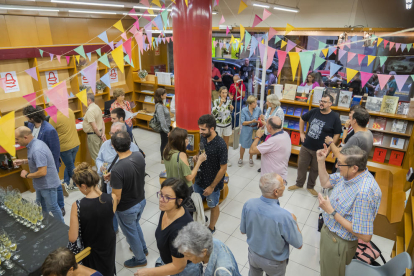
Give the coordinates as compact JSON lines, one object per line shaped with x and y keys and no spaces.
{"x":392,"y":44}
{"x":111,"y":44}
{"x":32,"y":72}
{"x":350,"y":56}
{"x":163,"y":7}
{"x":216,"y":2}
{"x":365,"y":76}
{"x":58,"y":96}
{"x":385,"y":43}
{"x":383,"y":79}
{"x":127,"y":47}
{"x":140,"y":42}
{"x":124,"y":36}
{"x":282,"y":57}
{"x":227,"y":30}
{"x":136,"y":24}
{"x":215,"y":43}
{"x":132,"y":12}
{"x":272,"y":33}
{"x":51,"y":56}
{"x":31,"y":98}
{"x":256,"y":21}
{"x":401,"y":79}
{"x":341,"y":53}
{"x":67,"y":59}
{"x":222,"y":20}
{"x":163,"y":40}
{"x":341,"y":46}
{"x":266,"y":14}
{"x":168,"y":39}
{"x":3,"y":84}
{"x":297,"y":49}
{"x":52,"y":112}
{"x":360,"y":58}
{"x":397,"y":46}
{"x":290,"y":45}
{"x":133,"y":30}
{"x":147,"y":17}
{"x":172,"y":39}
{"x":270,"y":54}
{"x":90,"y":74}
{"x":58,"y":57}
{"x":145,"y":3}
{"x":335,"y":51}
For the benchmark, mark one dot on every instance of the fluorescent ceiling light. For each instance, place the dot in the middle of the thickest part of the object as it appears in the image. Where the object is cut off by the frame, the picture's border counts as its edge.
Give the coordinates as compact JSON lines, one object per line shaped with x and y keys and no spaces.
{"x":286,"y":9}
{"x":274,"y":6}
{"x":87,"y":3}
{"x":262,"y":6}
{"x":139,"y":14}
{"x":214,"y":12}
{"x":97,"y":12}
{"x":146,"y":8}
{"x":28,"y":9}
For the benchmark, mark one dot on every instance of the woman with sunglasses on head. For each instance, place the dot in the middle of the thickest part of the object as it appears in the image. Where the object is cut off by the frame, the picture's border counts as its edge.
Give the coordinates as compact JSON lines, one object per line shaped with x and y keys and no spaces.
{"x":173,"y":217}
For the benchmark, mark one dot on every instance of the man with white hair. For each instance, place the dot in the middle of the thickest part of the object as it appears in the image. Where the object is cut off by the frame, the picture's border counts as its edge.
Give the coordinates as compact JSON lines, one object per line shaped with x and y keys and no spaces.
{"x":263,"y":220}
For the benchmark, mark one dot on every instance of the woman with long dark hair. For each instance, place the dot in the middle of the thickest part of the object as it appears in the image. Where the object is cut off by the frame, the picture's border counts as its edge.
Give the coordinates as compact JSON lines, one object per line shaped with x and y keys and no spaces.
{"x":163,"y":114}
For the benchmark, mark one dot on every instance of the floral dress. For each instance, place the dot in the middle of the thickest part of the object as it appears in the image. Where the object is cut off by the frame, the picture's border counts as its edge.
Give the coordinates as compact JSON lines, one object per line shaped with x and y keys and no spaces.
{"x":222,"y":113}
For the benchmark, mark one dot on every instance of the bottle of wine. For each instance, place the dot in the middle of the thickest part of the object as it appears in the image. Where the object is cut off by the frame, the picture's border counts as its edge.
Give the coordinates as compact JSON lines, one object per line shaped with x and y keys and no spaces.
{"x":9,"y":161}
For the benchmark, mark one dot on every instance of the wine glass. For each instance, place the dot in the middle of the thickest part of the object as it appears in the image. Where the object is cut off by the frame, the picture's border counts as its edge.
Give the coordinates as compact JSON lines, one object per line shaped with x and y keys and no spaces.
{"x":2,"y":272}
{"x":40,"y":215}
{"x":6,"y":254}
{"x":13,"y":248}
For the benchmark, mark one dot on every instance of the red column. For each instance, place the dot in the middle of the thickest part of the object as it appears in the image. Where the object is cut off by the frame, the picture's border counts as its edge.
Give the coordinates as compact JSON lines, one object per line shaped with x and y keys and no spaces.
{"x":192,"y":61}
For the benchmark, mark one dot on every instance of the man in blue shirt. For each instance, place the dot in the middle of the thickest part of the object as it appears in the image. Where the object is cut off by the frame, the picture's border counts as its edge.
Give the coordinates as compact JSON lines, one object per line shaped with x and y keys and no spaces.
{"x":42,"y":170}
{"x":263,"y":220}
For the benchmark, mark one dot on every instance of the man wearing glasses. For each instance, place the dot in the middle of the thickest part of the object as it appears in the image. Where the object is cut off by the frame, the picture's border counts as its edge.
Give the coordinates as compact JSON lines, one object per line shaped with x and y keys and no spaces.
{"x":322,"y":122}
{"x":349,"y":211}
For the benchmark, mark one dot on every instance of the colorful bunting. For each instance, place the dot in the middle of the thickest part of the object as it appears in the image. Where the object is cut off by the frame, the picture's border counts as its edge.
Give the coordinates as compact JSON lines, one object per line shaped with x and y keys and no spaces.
{"x":7,"y":133}
{"x":351,"y":56}
{"x":139,"y":40}
{"x":400,"y":79}
{"x":158,"y":22}
{"x":409,"y":47}
{"x":80,"y":51}
{"x":127,"y":47}
{"x":82,"y":95}
{"x":360,"y":58}
{"x":51,"y":56}
{"x":370,"y":59}
{"x":31,"y":98}
{"x":277,"y":39}
{"x":90,"y":74}
{"x":227,"y":30}
{"x":322,"y":45}
{"x":365,"y":76}
{"x":253,"y":46}
{"x":266,"y":14}
{"x":58,"y":96}
{"x":222,"y":20}
{"x":118,"y":57}
{"x":32,"y":72}
{"x":119,"y":26}
{"x":157,"y":3}
{"x":297,"y":49}
{"x":305,"y":63}
{"x":164,"y":16}
{"x":383,"y":79}
{"x":132,"y":14}
{"x":332,"y":50}
{"x":111,"y":44}
{"x":333,"y":68}
{"x":247,"y":39}
{"x":98,"y":51}
{"x":41,"y":52}
{"x":341,"y":53}
{"x":379,"y":41}
{"x":52,"y":112}
{"x":294,"y":62}
{"x":283,"y":44}
{"x":104,"y":37}
{"x":318,"y":62}
{"x":105,"y":79}
{"x":256,"y":20}
{"x":397,"y":46}
{"x":325,"y":51}
{"x":289,"y":28}
{"x":383,"y":59}
{"x":272,"y":32}
{"x":242,"y":31}
{"x":89,"y":56}
{"x":58,"y":57}
{"x":67,"y":59}
{"x":124,"y":36}
{"x":146,"y":16}
{"x":145,"y":3}
{"x":282,"y":58}
{"x":385,"y":43}
{"x":77,"y":58}
{"x":350,"y":74}
{"x":290,"y":45}
{"x":403,"y":46}
{"x":242,"y":6}
{"x":129,"y":60}
{"x":391,"y":45}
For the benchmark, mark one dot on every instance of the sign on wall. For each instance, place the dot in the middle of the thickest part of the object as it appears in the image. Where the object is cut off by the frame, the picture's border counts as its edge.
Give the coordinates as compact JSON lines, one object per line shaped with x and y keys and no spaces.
{"x":85,"y":81}
{"x":12,"y":84}
{"x":157,"y":50}
{"x":113,"y":75}
{"x":52,"y":78}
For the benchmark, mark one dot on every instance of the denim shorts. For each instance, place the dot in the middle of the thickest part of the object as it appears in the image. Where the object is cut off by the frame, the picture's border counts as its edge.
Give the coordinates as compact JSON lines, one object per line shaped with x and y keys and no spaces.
{"x":212,"y":200}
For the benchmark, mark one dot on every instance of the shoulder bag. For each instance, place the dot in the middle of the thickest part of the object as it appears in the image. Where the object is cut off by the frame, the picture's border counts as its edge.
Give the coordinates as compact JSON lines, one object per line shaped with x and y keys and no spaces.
{"x":103,"y":184}
{"x":77,"y":246}
{"x":189,"y":203}
{"x":154,"y":123}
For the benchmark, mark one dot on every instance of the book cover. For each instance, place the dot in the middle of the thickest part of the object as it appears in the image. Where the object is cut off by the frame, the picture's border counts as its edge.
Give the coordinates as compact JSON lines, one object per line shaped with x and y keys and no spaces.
{"x":317,"y":95}
{"x":298,"y":111}
{"x":378,"y":137}
{"x":345,"y":98}
{"x":302,"y":97}
{"x":278,"y":90}
{"x":296,"y":125}
{"x":295,"y":138}
{"x":290,"y":110}
{"x":389,"y":104}
{"x":284,"y":109}
{"x":334,"y":92}
{"x":379,"y":123}
{"x":397,"y":143}
{"x":291,"y":124}
{"x":373,"y":104}
{"x":399,"y":126}
{"x":403,"y":108}
{"x":356,"y":100}
{"x":379,"y":155}
{"x":343,"y":118}
{"x":396,"y":158}
{"x":305,"y":111}
{"x":285,"y":123}
{"x":290,"y":92}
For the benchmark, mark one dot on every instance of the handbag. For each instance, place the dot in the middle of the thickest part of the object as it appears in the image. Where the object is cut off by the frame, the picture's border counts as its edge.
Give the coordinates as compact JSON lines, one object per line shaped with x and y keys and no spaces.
{"x":103,"y":186}
{"x":368,"y":252}
{"x":189,"y":203}
{"x":320,"y":222}
{"x":154,"y":123}
{"x":77,"y":246}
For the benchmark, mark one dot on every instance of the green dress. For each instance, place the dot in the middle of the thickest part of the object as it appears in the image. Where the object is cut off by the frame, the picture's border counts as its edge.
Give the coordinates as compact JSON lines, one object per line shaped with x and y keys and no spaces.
{"x":172,"y":168}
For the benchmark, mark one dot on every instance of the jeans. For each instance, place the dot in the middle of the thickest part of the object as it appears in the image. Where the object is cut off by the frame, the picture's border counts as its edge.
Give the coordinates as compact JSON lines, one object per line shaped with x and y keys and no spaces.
{"x":68,"y":158}
{"x":47,"y":197}
{"x":164,"y":141}
{"x":59,"y":196}
{"x":129,"y":222}
{"x":191,"y":269}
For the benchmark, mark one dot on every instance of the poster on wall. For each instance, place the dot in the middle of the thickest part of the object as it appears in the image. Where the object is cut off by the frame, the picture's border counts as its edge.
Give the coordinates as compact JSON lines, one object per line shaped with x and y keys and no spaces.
{"x":113,"y":75}
{"x":85,"y":81}
{"x":157,"y":50}
{"x":12,"y":84}
{"x":52,"y":78}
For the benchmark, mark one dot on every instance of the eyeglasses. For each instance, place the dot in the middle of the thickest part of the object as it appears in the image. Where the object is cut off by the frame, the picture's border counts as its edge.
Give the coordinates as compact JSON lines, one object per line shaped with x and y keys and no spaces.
{"x":164,"y":198}
{"x":324,"y":102}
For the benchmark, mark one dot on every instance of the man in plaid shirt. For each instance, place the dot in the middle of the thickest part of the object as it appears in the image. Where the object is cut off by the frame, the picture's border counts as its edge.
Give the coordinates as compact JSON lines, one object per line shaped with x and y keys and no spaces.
{"x":349,"y":211}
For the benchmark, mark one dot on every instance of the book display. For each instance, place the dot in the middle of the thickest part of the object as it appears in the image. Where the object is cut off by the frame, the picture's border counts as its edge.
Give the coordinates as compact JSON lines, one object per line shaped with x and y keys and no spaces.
{"x":317,"y":94}
{"x":403,"y":108}
{"x":373,"y":104}
{"x":378,"y":137}
{"x":345,"y":98}
{"x":290,"y":92}
{"x":397,"y":143}
{"x":379,"y":123}
{"x":389,"y":104}
{"x":334,"y":92}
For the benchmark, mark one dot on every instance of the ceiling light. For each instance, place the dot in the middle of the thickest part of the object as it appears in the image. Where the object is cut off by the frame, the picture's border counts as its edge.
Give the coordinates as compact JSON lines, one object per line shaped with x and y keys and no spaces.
{"x":97,"y":12}
{"x":286,"y":9}
{"x":261,"y":6}
{"x":140,"y":14}
{"x":146,"y":8}
{"x":214,"y":12}
{"x":28,"y":9}
{"x":274,"y":6}
{"x":408,"y":4}
{"x":158,"y":32}
{"x":87,"y":3}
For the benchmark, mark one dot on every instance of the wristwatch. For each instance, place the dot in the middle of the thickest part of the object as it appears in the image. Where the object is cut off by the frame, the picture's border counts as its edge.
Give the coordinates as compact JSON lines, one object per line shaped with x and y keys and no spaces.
{"x":332,"y":215}
{"x":344,"y":128}
{"x":27,"y":175}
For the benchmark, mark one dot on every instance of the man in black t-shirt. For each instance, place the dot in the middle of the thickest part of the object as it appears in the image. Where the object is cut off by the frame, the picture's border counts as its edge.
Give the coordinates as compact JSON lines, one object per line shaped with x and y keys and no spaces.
{"x":246,"y":74}
{"x":127,"y":181}
{"x":322,"y":122}
{"x":227,"y":74}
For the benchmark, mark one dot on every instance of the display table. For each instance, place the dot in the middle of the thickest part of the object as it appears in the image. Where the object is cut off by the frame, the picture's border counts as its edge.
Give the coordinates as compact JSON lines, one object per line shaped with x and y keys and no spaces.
{"x":32,"y":247}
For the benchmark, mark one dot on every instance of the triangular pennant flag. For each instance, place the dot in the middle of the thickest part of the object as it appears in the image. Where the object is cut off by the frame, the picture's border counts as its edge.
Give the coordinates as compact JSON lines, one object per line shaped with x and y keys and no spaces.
{"x":221,"y":45}
{"x":51,"y":56}
{"x":289,"y":28}
{"x":253,"y":46}
{"x":118,"y":57}
{"x":272,"y":33}
{"x":71,"y":95}
{"x":58,"y":57}
{"x":350,"y":56}
{"x":409,"y":47}
{"x":80,"y":51}
{"x":391,"y":45}
{"x":124,"y":36}
{"x":127,"y":47}
{"x":412,"y":76}
{"x":242,"y":6}
{"x":105,"y":79}
{"x":294,"y":62}
{"x":32,"y":72}
{"x":89,"y":56}
{"x":331,"y":50}
{"x":186,"y":3}
{"x":341,"y":53}
{"x":145,"y":3}
{"x":31,"y":98}
{"x":90,"y":74}
{"x":52,"y":112}
{"x":282,"y":58}
{"x":104,"y":60}
{"x":119,"y":26}
{"x":67,"y":59}
{"x":132,"y":14}
{"x":350,"y":73}
{"x":266,"y":14}
{"x":383,"y":59}
{"x":127,"y":60}
{"x":77,"y":58}
{"x":270,"y":54}
{"x":147,"y":17}
{"x":157,"y":3}
{"x":163,"y":41}
{"x":403,"y":46}
{"x":290,"y":45}
{"x":41,"y":52}
{"x":325,"y":51}
{"x":333,"y":68}
{"x":379,"y":41}
{"x":297,"y":49}
{"x":227,"y":30}
{"x":247,"y":38}
{"x":83,"y":97}
{"x":111,"y":44}
{"x":164,"y":16}
{"x":222,"y":20}
{"x":103,"y":36}
{"x":98,"y":51}
{"x":7,"y":134}
{"x":283,"y":44}
{"x":360,"y":58}
{"x":305,"y":63}
{"x":322,"y":45}
{"x":232,"y":39}
{"x":365,"y":76}
{"x":397,"y":46}
{"x":158,"y":22}
{"x":242,"y":31}
{"x":383,"y":79}
{"x":58,"y":96}
{"x":318,"y":62}
{"x":277,"y":39}
{"x":256,"y":20}
{"x":341,"y":46}
{"x":119,"y":43}
{"x":401,"y":79}
{"x":241,"y":48}
{"x":385,"y":43}
{"x":370,"y":59}
{"x":139,"y":40}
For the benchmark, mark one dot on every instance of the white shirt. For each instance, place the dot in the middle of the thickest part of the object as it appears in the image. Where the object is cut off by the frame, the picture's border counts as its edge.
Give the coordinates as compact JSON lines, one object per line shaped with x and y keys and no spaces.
{"x":35,"y":131}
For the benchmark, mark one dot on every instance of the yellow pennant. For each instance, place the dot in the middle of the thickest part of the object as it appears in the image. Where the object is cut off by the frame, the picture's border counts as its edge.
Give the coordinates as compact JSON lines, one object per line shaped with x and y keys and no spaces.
{"x":289,"y":28}
{"x":118,"y":56}
{"x":77,"y":58}
{"x":284,"y":43}
{"x":156,"y":2}
{"x":262,"y":41}
{"x":325,"y":51}
{"x":82,"y":97}
{"x":232,"y":39}
{"x":242,"y":30}
{"x":242,"y":6}
{"x":7,"y":136}
{"x":370,"y":59}
{"x":150,"y":11}
{"x":379,"y":41}
{"x":186,"y":2}
{"x":350,"y":74}
{"x":119,"y":26}
{"x":294,"y":62}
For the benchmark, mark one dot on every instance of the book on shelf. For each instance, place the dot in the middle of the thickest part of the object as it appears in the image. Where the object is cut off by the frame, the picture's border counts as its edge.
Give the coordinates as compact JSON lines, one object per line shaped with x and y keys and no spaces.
{"x":317,"y":94}
{"x":296,"y":125}
{"x":343,"y":118}
{"x":403,"y":108}
{"x":298,"y":111}
{"x":305,"y":110}
{"x":373,"y":104}
{"x":397,"y":143}
{"x":379,"y":155}
{"x":379,"y":123}
{"x":290,"y":92}
{"x":345,"y":98}
{"x":411,"y":109}
{"x":378,"y":137}
{"x":396,"y":158}
{"x":148,"y":91}
{"x":290,"y":110}
{"x":291,"y":124}
{"x":399,"y":126}
{"x":149,"y":99}
{"x":356,"y":100}
{"x":278,"y":90}
{"x":170,"y":95}
{"x":146,"y":112}
{"x":295,"y":138}
{"x":334,"y":92}
{"x":285,"y":123}
{"x":302,"y":97}
{"x":284,"y":109}
{"x":389,"y":104}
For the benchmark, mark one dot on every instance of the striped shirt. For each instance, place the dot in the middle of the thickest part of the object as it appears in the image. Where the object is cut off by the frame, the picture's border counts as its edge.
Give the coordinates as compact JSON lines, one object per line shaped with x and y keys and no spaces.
{"x":357,"y":200}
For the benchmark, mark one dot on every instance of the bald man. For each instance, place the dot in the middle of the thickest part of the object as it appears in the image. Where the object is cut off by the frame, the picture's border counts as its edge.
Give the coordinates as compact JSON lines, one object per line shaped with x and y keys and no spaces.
{"x":275,"y":150}
{"x":43,"y":171}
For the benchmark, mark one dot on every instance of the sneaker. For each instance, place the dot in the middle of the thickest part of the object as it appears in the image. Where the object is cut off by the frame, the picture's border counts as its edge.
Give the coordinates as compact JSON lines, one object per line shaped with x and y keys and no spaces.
{"x":63,"y":211}
{"x":145,"y":251}
{"x":240,"y":163}
{"x":228,"y":163}
{"x":131,"y":263}
{"x":251,"y":162}
{"x":313,"y":192}
{"x":294,"y":187}
{"x":65,"y":191}
{"x":259,"y":170}
{"x":212,"y":231}
{"x":71,"y":187}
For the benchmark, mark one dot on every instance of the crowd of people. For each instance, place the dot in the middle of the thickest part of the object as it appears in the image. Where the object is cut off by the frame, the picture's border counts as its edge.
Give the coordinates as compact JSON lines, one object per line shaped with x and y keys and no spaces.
{"x":115,"y":190}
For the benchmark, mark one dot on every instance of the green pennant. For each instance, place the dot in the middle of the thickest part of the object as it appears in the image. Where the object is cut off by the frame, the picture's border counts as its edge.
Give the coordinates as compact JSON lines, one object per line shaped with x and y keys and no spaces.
{"x":247,"y":38}
{"x":104,"y":60}
{"x":305,"y":62}
{"x":98,"y":51}
{"x":321,"y":45}
{"x":41,"y":52}
{"x":241,"y":48}
{"x":409,"y":46}
{"x":80,"y":51}
{"x":277,"y":39}
{"x":318,"y":62}
{"x":382,"y":60}
{"x":164,"y":16}
{"x":412,"y":76}
{"x":126,"y":58}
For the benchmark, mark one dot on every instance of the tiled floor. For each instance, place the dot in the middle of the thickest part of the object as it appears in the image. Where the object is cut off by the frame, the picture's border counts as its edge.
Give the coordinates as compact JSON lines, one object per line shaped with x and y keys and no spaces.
{"x":243,"y":184}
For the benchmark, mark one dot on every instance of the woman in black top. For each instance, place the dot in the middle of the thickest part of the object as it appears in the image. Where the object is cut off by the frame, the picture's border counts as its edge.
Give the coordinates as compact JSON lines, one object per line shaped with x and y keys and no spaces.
{"x":173,"y":218}
{"x":96,"y":212}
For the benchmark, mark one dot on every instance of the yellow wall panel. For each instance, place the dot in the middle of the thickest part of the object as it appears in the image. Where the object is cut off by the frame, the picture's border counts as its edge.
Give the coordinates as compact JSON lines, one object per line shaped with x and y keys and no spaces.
{"x":4,"y":34}
{"x":77,"y":30}
{"x":43,"y":31}
{"x":22,"y":30}
{"x":58,"y":30}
